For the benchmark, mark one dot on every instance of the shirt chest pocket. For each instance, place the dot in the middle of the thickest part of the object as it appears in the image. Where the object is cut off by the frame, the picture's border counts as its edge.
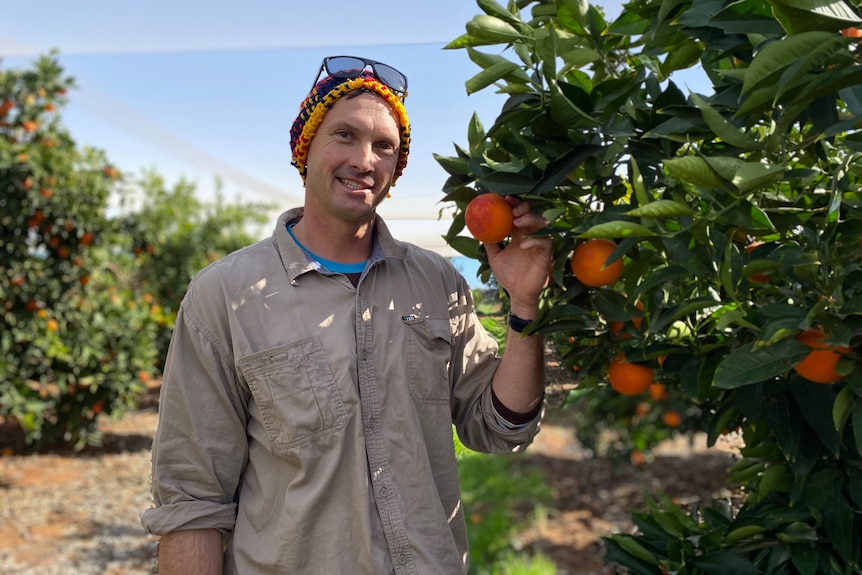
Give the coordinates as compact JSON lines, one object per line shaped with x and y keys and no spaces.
{"x":295,"y":393}
{"x":428,"y":358}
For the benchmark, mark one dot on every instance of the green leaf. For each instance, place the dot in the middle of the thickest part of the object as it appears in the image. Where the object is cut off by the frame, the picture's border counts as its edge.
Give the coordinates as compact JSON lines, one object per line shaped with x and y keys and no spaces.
{"x":694,"y":170}
{"x":857,"y":426}
{"x":682,"y":57}
{"x":747,"y":364}
{"x":616,"y":554}
{"x":493,"y":29}
{"x":484,"y":60}
{"x":505,"y":183}
{"x":580,"y":56}
{"x":578,"y":9}
{"x":821,"y":53}
{"x":630,"y":545}
{"x":492,"y":8}
{"x":845,"y":401}
{"x":490,"y":75}
{"x":722,"y":128}
{"x":775,"y":57}
{"x":616,"y":229}
{"x":798,"y":532}
{"x":661,"y":209}
{"x":797,"y":16}
{"x":638,"y":184}
{"x":453,"y":165}
{"x":557,"y":170}
{"x":475,"y":134}
{"x":566,"y":113}
{"x":466,"y":246}
{"x":815,"y":401}
{"x":466,"y":40}
{"x":754,"y":175}
{"x":724,"y":562}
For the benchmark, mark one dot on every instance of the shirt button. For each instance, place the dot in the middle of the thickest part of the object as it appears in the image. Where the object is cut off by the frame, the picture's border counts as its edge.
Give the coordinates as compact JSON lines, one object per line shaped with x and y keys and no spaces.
{"x":364,"y":355}
{"x":371,"y":421}
{"x":384,"y":492}
{"x":402,"y":559}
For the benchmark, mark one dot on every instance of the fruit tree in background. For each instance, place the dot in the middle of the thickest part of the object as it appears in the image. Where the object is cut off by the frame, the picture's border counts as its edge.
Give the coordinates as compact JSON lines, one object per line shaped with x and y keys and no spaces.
{"x":733,"y":209}
{"x":74,"y":343}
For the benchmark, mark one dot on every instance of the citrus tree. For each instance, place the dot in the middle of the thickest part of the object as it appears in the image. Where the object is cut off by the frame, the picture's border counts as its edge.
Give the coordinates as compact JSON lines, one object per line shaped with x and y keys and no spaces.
{"x":732,"y":279}
{"x":171,"y":234}
{"x":73,"y":343}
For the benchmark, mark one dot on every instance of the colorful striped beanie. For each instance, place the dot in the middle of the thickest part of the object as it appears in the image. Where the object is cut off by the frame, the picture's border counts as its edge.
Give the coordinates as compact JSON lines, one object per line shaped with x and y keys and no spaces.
{"x":321,"y":99}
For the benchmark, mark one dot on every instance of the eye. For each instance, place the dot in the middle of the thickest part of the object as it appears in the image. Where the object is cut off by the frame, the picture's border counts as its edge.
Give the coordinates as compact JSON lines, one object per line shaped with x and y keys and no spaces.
{"x":387,"y":147}
{"x":342,"y":134}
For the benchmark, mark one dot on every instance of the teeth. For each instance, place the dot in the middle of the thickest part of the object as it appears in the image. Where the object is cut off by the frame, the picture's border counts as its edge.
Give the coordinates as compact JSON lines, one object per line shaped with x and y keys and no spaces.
{"x":352,"y":185}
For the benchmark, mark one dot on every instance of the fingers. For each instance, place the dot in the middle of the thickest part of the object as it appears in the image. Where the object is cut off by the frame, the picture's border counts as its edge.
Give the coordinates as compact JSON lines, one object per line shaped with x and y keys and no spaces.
{"x":526,"y":222}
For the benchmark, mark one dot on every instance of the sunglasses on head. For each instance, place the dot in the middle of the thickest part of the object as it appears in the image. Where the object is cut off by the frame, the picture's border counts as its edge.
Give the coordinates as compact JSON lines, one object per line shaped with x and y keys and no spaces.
{"x":352,"y":67}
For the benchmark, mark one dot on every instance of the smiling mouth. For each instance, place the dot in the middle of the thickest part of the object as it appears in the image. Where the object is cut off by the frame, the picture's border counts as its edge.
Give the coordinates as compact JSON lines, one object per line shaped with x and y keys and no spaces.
{"x":354,"y":185}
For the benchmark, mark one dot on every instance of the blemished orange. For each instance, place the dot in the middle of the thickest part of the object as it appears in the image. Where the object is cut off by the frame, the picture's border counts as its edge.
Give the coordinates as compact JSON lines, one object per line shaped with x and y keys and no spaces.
{"x":819,"y":365}
{"x":629,"y":378}
{"x":489,"y":218}
{"x":588,"y":263}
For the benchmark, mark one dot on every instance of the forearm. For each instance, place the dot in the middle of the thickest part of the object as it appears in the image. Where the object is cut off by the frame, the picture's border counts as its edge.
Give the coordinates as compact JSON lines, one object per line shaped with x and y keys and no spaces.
{"x":519,"y":381}
{"x":191,"y":552}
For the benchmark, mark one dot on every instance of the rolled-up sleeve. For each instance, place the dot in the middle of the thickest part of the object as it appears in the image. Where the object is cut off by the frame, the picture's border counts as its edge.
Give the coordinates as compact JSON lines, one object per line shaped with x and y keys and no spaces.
{"x":474,"y":362}
{"x":200,"y":448}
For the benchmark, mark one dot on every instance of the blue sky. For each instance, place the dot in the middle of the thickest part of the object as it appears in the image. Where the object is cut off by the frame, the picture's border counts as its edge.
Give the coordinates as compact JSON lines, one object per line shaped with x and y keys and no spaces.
{"x":200,"y":89}
{"x":204,"y":89}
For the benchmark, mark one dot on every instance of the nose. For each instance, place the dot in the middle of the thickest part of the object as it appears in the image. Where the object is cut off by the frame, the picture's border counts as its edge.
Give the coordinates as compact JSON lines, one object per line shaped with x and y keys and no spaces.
{"x":362,"y":158}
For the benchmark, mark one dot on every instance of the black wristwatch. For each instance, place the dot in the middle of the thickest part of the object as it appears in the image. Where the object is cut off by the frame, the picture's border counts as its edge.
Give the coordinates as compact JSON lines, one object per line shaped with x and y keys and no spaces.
{"x":518,"y":324}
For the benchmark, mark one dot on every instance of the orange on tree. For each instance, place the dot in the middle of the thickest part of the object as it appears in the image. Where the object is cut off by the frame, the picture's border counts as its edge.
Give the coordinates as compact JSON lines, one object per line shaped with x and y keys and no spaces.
{"x":588,"y":263}
{"x":657,"y":392}
{"x":629,"y":378}
{"x":757,"y":277}
{"x":820,"y":363}
{"x":851,"y":32}
{"x":489,"y":218}
{"x":616,"y":327}
{"x":671,"y":418}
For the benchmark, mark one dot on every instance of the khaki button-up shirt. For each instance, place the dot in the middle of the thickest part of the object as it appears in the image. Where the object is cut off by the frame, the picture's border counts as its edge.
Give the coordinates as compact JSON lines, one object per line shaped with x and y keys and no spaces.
{"x":311,"y":421}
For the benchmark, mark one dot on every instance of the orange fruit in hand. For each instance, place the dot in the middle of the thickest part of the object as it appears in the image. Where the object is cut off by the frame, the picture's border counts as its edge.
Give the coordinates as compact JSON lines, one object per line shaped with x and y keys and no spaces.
{"x":588,"y":263}
{"x":819,"y":365}
{"x":489,"y":218}
{"x":629,"y":378}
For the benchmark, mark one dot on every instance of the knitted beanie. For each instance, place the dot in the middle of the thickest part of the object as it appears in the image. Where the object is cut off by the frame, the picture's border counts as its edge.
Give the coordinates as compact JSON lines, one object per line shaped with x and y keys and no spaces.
{"x":321,"y":99}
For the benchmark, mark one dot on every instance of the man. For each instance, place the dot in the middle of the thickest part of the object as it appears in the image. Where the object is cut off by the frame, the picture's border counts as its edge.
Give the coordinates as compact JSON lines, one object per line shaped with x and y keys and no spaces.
{"x":313,"y":378}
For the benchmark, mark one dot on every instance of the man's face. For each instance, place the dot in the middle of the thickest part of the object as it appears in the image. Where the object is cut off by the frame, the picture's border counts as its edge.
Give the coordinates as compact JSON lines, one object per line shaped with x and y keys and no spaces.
{"x":352,"y":158}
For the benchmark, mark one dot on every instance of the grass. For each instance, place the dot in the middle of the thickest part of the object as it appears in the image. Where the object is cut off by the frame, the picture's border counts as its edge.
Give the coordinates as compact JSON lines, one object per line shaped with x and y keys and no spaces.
{"x":499,"y":499}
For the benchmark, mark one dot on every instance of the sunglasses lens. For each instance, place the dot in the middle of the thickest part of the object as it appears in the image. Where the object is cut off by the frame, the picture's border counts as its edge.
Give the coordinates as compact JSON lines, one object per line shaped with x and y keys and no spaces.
{"x":344,"y":66}
{"x":350,"y":67}
{"x":391,"y":77}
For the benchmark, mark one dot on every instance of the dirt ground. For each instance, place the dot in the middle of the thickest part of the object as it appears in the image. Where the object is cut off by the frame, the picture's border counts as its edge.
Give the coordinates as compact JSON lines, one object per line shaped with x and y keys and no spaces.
{"x":65,"y":512}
